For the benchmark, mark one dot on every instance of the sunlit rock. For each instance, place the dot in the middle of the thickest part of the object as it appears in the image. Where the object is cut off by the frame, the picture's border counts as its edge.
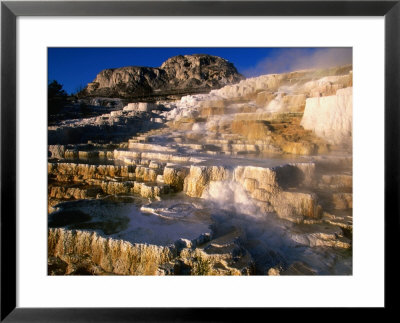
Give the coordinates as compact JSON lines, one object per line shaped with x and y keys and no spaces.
{"x":79,"y":172}
{"x":264,"y":178}
{"x":296,"y":206}
{"x":220,"y":256}
{"x":342,"y":201}
{"x":178,"y":74}
{"x":140,"y":107}
{"x":200,"y":176}
{"x":273,"y":272}
{"x":335,"y":181}
{"x":57,"y":151}
{"x":344,"y":221}
{"x":331,"y":117}
{"x":174,"y":176}
{"x":328,"y":85}
{"x":86,"y":251}
{"x":66,"y":193}
{"x":322,"y":236}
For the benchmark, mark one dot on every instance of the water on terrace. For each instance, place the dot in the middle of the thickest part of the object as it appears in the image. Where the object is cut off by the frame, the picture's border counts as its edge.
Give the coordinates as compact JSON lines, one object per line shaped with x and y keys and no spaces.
{"x":269,"y":240}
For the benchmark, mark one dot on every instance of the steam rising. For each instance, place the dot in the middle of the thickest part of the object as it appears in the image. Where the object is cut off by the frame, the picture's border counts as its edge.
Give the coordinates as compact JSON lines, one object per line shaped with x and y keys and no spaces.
{"x":230,"y":196}
{"x":290,"y":59}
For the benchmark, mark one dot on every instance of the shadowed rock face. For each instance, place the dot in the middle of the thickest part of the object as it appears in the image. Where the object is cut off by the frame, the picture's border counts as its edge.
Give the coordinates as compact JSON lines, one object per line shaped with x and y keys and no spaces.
{"x":177,"y":76}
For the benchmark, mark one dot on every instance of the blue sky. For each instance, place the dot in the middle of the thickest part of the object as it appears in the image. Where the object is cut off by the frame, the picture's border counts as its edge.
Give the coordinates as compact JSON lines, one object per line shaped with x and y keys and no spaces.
{"x":75,"y":67}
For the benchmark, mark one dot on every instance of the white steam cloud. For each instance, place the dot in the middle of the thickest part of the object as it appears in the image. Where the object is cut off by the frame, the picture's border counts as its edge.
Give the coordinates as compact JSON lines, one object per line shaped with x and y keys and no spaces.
{"x":230,"y":196}
{"x":292,"y":59}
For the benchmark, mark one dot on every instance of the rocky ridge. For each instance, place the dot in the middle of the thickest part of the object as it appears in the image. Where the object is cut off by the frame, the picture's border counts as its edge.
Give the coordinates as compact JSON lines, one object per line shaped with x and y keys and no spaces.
{"x":178,"y":75}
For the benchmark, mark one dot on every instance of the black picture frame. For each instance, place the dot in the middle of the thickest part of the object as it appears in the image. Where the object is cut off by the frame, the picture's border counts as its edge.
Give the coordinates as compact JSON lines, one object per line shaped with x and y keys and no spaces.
{"x":10,"y":10}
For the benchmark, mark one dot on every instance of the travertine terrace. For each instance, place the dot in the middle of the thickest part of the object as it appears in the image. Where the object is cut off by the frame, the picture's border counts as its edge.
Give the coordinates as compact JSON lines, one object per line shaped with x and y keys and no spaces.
{"x":251,"y":178}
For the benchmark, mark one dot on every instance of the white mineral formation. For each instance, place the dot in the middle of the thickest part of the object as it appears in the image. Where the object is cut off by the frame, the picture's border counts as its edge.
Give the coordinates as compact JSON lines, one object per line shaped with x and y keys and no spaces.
{"x":140,"y":107}
{"x":331,"y":117}
{"x":273,"y":93}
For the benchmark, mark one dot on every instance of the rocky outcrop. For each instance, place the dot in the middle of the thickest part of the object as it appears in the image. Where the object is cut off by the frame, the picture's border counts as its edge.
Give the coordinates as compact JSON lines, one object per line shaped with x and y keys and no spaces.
{"x":174,"y":176}
{"x":75,"y":252}
{"x":220,"y":256}
{"x":56,"y":151}
{"x":85,"y":252}
{"x":177,"y":75}
{"x":200,"y":176}
{"x":321,"y":236}
{"x":107,"y":179}
{"x":67,"y":193}
{"x":252,"y":187}
{"x":65,"y":172}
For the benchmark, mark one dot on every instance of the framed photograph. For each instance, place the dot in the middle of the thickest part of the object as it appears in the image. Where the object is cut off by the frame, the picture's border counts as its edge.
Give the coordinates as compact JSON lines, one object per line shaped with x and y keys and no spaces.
{"x":182,"y":160}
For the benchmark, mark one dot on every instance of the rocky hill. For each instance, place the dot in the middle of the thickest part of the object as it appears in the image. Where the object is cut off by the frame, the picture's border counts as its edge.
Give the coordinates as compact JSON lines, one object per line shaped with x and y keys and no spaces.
{"x":178,"y":75}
